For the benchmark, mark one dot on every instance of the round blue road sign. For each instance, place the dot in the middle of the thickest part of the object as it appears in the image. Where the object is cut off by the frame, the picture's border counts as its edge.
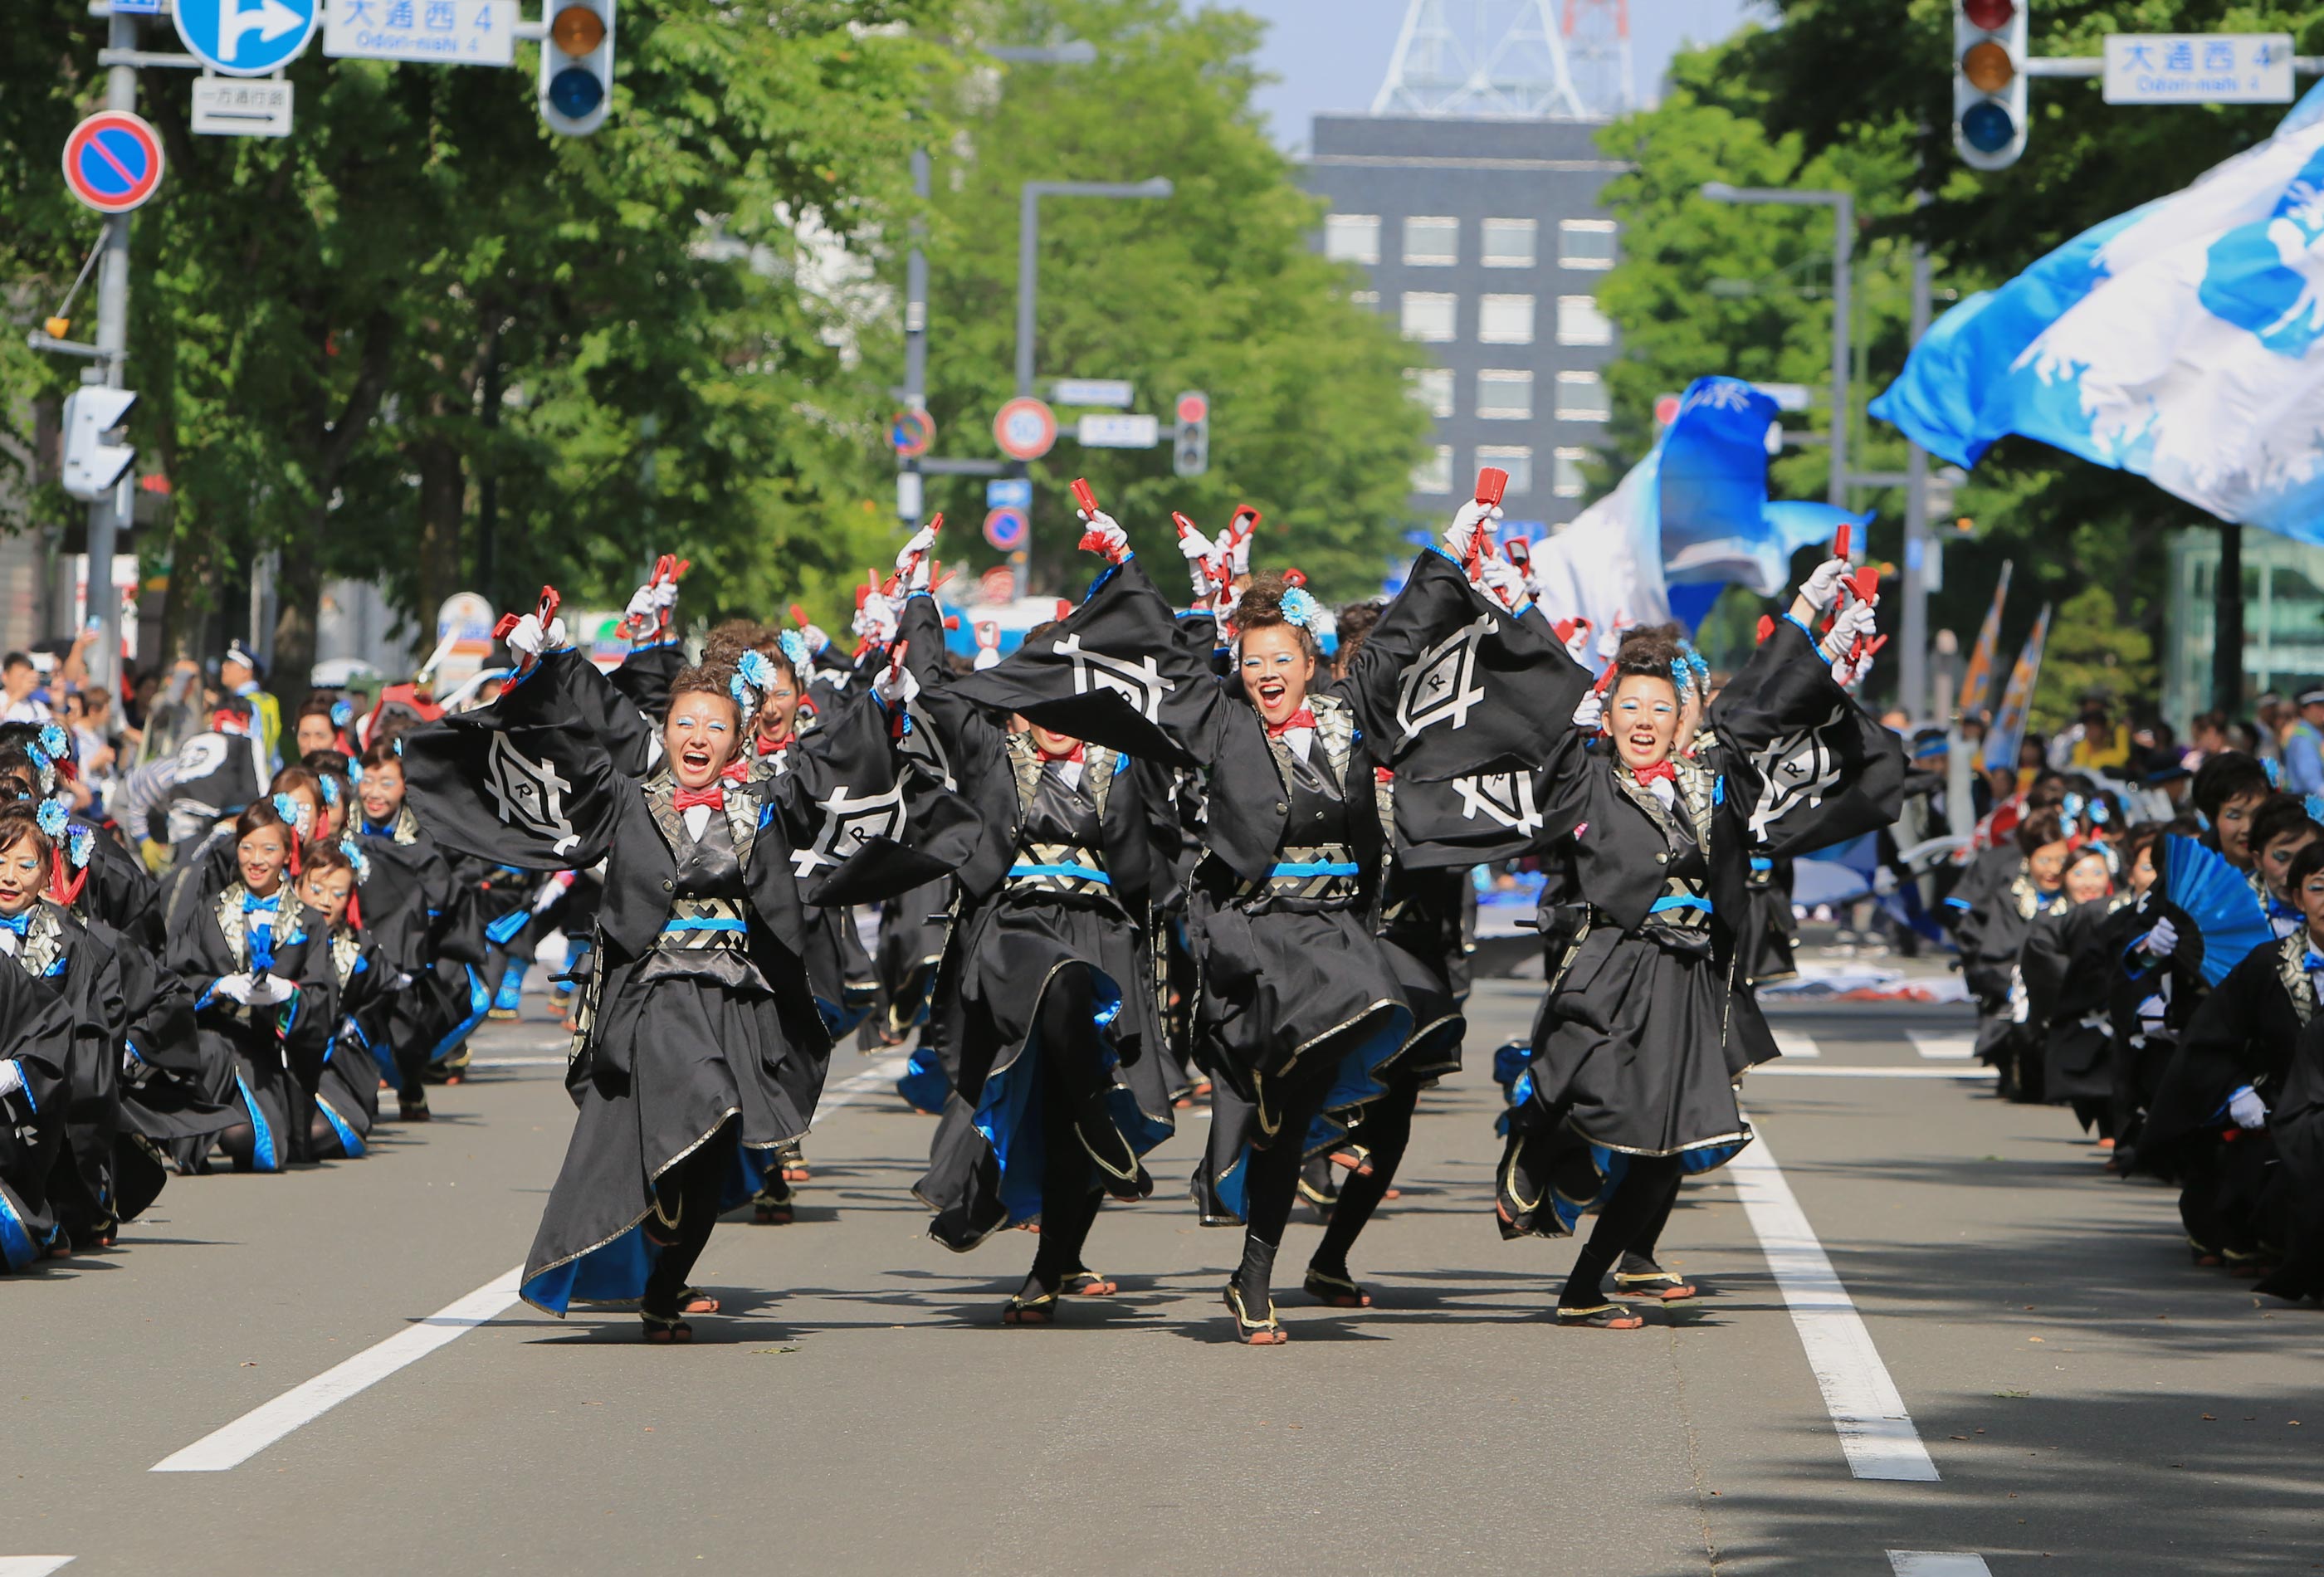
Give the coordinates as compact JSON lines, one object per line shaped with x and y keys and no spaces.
{"x":113,"y":162}
{"x":246,"y":38}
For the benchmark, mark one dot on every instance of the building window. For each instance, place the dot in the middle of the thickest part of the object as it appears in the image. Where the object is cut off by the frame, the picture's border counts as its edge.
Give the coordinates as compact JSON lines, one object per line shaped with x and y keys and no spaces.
{"x":1509,"y":242}
{"x":1504,"y":395}
{"x":1432,"y":388}
{"x":1428,"y":316}
{"x":1351,"y":237}
{"x":1432,"y":240}
{"x":1435,"y":475}
{"x":1567,"y":481}
{"x":1365,"y":299}
{"x":1505,"y":320}
{"x":1581,"y":397}
{"x":1585,"y":243}
{"x":1578,"y":322}
{"x":1516,"y":459}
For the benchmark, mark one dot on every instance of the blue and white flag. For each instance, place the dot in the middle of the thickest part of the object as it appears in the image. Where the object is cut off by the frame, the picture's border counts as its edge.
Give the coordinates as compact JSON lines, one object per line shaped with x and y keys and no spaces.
{"x":2184,"y":341}
{"x":1690,"y":518}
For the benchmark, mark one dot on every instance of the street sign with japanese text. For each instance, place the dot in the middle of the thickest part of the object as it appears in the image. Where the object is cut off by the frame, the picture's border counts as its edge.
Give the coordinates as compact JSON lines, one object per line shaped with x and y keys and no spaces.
{"x":245,"y":38}
{"x":1114,"y":393}
{"x":2198,"y":68}
{"x":1119,"y":432}
{"x":450,"y":32}
{"x":237,"y":107}
{"x":1008,"y":493}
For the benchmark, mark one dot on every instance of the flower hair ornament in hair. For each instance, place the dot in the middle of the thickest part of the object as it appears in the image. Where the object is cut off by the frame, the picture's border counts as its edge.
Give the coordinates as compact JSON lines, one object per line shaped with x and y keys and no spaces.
{"x":1300,"y":607}
{"x":754,"y":675}
{"x":54,"y":742}
{"x":51,"y":817}
{"x":794,"y":645}
{"x":80,"y":844}
{"x":1681,"y":677}
{"x":356,"y":858}
{"x":343,"y":712}
{"x":330,"y":789}
{"x":287,"y":808}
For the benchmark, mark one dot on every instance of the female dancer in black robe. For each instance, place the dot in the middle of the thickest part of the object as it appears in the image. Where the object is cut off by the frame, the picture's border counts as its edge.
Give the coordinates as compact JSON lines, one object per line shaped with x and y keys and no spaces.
{"x":1643,"y":1025}
{"x":1047,"y":1019}
{"x":336,"y":1068}
{"x":2067,"y":964}
{"x":1298,"y":1008}
{"x":422,"y":923}
{"x":36,"y":1031}
{"x":253,"y":957}
{"x":701,"y":1050}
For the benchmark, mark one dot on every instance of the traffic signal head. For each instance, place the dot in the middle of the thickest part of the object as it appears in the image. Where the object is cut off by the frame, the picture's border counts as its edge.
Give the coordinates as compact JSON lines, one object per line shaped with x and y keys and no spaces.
{"x":1989,"y":82}
{"x":91,"y":466}
{"x":1190,"y":454}
{"x":576,"y":66}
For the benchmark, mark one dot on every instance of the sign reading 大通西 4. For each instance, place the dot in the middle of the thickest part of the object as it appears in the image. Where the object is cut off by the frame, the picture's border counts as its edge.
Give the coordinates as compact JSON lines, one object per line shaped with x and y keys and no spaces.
{"x":450,"y":32}
{"x":2198,"y":68}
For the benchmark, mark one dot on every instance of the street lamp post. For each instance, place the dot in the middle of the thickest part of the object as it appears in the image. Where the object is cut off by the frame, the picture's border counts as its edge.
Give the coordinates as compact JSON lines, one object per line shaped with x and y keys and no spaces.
{"x":1029,"y":246}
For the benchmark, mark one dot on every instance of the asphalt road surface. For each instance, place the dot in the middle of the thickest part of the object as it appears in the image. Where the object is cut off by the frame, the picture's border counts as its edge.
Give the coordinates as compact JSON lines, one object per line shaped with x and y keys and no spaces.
{"x":1939,"y":1342}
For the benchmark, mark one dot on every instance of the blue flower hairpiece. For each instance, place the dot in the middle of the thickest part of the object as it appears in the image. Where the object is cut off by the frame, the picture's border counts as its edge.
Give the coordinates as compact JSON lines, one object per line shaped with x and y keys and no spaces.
{"x":51,"y":817}
{"x":1300,"y":606}
{"x":330,"y":782}
{"x":356,"y":857}
{"x":740,"y":691}
{"x":55,"y":742}
{"x":355,"y":773}
{"x":2100,"y":814}
{"x":1701,"y":666}
{"x":756,"y":672}
{"x":343,"y":712}
{"x":287,"y":808}
{"x":2071,"y":807}
{"x":80,"y":844}
{"x":1681,"y":677}
{"x":41,"y":758}
{"x":794,"y":645}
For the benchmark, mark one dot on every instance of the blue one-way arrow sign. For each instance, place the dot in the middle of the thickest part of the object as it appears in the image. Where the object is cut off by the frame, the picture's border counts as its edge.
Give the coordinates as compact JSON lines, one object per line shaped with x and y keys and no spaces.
{"x":246,"y":38}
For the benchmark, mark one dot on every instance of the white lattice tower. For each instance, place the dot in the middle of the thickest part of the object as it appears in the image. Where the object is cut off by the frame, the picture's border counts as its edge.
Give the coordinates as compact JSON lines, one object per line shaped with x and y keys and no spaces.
{"x":1597,"y":53}
{"x":1480,"y":58}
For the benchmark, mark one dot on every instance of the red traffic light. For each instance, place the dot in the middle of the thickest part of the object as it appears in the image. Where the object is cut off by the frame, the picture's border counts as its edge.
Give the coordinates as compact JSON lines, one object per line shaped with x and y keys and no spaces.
{"x":1992,"y":16}
{"x":1194,"y":408}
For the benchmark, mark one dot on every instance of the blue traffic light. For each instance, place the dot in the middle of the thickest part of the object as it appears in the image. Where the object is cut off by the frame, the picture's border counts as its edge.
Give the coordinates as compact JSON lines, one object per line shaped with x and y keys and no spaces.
{"x":575,"y":91}
{"x":1987,"y":127}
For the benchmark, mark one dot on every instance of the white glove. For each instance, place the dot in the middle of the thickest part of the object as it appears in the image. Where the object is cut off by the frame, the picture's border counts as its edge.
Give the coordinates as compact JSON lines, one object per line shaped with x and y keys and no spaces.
{"x":12,"y":1076}
{"x":268,"y":990}
{"x":816,"y":640}
{"x":1858,"y":621}
{"x":555,"y":887}
{"x":877,"y":619}
{"x":1823,"y":587}
{"x":2160,"y":941}
{"x":1237,"y":547}
{"x":2021,"y":1006}
{"x":1198,"y":551}
{"x":1590,"y":717}
{"x":1463,"y":534}
{"x":914,"y":561}
{"x":233,"y":988}
{"x":1609,"y":643}
{"x":1102,"y":533}
{"x":1506,"y":581}
{"x":895,"y":686}
{"x":1850,"y":676}
{"x":2247,"y":1109}
{"x":640,"y":607}
{"x":531,"y":640}
{"x":402,"y":981}
{"x":1577,"y":643}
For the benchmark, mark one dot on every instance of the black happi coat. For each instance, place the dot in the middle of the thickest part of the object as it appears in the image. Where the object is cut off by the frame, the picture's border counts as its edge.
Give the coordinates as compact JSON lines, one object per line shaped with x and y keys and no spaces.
{"x":2295,"y":1122}
{"x":36,"y":1031}
{"x":1015,"y":933}
{"x":250,"y":1048}
{"x":2068,"y":963}
{"x":68,"y":958}
{"x":2243,"y":1034}
{"x":1647,"y":1021}
{"x":697,"y":1010}
{"x":339,"y":1066}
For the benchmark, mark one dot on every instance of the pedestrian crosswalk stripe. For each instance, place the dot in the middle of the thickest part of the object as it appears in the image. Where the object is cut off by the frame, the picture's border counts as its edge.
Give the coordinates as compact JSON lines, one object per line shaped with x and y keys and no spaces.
{"x":1943,"y":1048}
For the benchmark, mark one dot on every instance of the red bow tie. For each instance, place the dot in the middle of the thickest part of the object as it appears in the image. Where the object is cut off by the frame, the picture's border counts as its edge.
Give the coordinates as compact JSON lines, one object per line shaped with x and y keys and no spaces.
{"x":1302,"y":718}
{"x":1660,"y":769}
{"x":737,"y":771}
{"x":714,"y":797}
{"x":1076,"y":754}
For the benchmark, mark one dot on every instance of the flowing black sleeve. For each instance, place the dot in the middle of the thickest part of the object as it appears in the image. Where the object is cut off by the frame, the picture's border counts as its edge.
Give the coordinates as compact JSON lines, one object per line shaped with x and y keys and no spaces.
{"x":1119,"y":671}
{"x":1812,"y":767}
{"x":527,"y":782}
{"x":861,"y":820}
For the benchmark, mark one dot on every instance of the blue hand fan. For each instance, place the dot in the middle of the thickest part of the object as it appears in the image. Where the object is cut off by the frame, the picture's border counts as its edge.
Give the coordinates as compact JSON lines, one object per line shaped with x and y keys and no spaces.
{"x":2214,"y":894}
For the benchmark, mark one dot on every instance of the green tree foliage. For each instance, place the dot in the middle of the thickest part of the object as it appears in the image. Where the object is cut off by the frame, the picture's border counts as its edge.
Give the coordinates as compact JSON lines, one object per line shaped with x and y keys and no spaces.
{"x":424,"y":338}
{"x":1218,"y":287}
{"x":1857,"y":94}
{"x":2091,"y":648}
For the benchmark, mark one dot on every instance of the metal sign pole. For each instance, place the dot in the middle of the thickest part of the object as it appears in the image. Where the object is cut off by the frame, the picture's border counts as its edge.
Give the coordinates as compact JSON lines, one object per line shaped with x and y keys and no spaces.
{"x":113,"y":349}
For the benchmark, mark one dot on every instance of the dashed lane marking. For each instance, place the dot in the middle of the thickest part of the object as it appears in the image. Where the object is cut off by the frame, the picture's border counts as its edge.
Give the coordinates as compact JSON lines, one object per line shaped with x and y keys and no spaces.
{"x":1796,"y":1044}
{"x":32,"y":1566}
{"x":263,"y":1426}
{"x":1943,"y":1048}
{"x":1937,"y":1563}
{"x":1876,"y":1431}
{"x":1953,"y":1075}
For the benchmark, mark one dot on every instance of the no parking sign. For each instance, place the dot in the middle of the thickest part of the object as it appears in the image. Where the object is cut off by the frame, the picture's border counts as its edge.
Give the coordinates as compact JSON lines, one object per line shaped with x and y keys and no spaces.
{"x":113,"y":162}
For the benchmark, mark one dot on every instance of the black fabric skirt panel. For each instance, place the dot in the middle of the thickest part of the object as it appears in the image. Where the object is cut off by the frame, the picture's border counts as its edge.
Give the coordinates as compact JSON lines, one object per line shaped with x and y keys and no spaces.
{"x":1015,"y":956}
{"x":697,"y":1054}
{"x":1277,"y":982}
{"x":1433,"y":1051}
{"x":1765,"y":945}
{"x":346,"y":1096}
{"x":195,"y":1108}
{"x":1634,"y":1046}
{"x":262,"y":1089}
{"x":1749,"y":1040}
{"x":2078,"y":1064}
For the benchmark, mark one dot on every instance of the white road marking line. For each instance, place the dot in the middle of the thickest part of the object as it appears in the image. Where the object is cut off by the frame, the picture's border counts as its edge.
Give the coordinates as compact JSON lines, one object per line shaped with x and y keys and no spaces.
{"x":32,"y":1566}
{"x":263,"y":1426}
{"x":1937,"y":1563}
{"x":517,"y":1062}
{"x":1943,"y":1048}
{"x":1876,"y":1431}
{"x":1955,"y":1076}
{"x":1796,"y":1044}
